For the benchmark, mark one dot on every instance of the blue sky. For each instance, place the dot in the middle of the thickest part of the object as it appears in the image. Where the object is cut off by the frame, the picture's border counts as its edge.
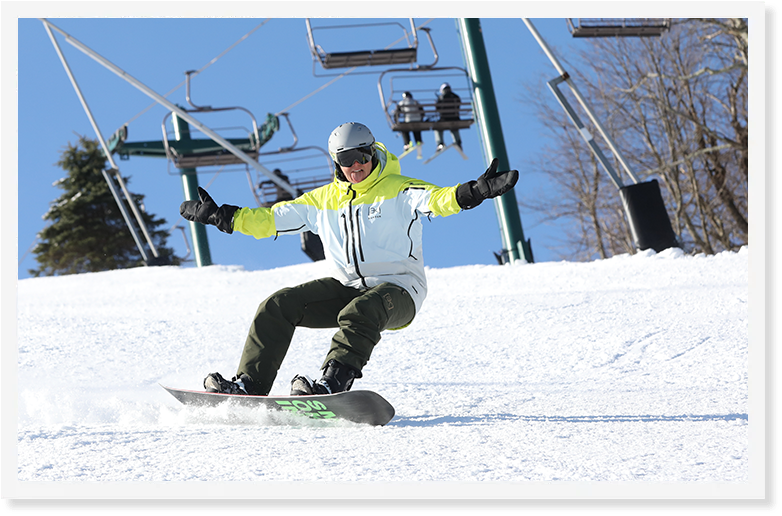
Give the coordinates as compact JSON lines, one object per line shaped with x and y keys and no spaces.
{"x":268,"y":72}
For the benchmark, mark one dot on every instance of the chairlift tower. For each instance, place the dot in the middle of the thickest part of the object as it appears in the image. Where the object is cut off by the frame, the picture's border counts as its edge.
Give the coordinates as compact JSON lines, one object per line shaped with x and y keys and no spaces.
{"x":515,"y":247}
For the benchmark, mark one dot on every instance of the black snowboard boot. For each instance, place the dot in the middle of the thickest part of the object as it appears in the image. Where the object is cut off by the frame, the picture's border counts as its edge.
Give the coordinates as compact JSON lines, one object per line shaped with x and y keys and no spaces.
{"x":303,"y":385}
{"x":336,"y":378}
{"x":214,"y":382}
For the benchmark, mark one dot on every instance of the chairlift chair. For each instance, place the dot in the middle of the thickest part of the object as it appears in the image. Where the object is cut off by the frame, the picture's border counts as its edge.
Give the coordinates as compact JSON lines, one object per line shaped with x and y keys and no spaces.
{"x":433,"y":76}
{"x":270,"y":193}
{"x":360,"y":58}
{"x":308,"y":175}
{"x":198,"y":152}
{"x":194,"y":153}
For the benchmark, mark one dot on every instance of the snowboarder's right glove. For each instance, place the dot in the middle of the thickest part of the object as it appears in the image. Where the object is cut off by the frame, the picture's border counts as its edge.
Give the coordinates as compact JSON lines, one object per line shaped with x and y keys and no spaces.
{"x":490,"y":185}
{"x":206,"y":211}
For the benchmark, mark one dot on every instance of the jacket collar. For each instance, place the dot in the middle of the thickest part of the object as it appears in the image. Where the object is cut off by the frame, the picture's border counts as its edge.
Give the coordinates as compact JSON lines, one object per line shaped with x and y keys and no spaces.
{"x":387,"y":164}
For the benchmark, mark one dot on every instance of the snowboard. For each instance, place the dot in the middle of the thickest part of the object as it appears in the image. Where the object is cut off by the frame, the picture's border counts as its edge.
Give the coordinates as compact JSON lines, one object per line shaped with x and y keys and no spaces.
{"x":365,"y":407}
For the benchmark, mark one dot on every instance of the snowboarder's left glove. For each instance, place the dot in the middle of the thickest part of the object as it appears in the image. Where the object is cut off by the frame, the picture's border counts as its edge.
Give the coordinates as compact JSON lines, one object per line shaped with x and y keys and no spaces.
{"x":206,"y":211}
{"x":490,"y":185}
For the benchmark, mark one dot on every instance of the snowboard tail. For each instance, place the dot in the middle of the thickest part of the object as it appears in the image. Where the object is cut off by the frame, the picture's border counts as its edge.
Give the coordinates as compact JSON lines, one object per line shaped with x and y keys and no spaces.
{"x":365,"y":407}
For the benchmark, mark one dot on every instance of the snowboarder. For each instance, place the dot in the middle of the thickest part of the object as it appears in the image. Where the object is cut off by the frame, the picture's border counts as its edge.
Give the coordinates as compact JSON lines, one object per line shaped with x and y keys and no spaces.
{"x":369,"y":219}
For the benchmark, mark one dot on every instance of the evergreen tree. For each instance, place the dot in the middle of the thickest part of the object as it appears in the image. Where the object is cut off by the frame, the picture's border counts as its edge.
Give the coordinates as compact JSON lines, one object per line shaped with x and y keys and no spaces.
{"x":87,"y":231}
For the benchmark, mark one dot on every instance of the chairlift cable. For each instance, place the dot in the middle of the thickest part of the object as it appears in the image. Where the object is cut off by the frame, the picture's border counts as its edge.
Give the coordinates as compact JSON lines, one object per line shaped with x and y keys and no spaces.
{"x":323,"y":87}
{"x":213,"y":61}
{"x":207,"y":65}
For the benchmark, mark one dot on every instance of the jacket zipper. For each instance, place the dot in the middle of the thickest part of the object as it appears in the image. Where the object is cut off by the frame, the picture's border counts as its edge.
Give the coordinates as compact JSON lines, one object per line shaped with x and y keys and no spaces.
{"x":352,"y":236}
{"x":347,"y":238}
{"x":410,"y":227}
{"x":358,"y":234}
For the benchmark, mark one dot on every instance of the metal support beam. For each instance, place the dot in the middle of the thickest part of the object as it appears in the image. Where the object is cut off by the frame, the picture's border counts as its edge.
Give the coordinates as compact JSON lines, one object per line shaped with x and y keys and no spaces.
{"x":566,"y":77}
{"x":643,"y":203}
{"x":124,"y":212}
{"x":488,"y":116}
{"x":113,"y":165}
{"x":583,"y":131}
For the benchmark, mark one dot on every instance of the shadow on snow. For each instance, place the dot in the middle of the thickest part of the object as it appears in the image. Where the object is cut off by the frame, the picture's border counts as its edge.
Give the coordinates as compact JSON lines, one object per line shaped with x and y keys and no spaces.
{"x":495,"y":418}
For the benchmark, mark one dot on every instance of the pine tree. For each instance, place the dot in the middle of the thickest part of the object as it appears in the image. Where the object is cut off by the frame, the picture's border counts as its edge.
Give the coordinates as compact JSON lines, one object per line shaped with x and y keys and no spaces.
{"x":87,"y":231}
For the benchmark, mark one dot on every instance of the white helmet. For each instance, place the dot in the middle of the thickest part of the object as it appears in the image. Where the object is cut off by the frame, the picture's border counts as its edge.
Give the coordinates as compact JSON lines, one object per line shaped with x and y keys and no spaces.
{"x":351,"y":135}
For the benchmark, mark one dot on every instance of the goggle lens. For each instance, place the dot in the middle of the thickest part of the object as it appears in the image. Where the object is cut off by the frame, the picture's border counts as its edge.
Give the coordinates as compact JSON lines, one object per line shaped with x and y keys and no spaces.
{"x":362,"y":155}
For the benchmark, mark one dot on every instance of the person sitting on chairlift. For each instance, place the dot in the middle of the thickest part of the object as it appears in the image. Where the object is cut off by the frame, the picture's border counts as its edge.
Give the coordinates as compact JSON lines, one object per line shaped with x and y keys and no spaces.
{"x":282,"y":193}
{"x":447,"y":107}
{"x":410,"y":111}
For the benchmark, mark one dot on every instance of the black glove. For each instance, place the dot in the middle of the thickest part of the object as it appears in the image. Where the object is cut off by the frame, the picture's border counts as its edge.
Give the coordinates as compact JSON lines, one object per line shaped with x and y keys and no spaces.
{"x":206,"y":211}
{"x":490,"y":185}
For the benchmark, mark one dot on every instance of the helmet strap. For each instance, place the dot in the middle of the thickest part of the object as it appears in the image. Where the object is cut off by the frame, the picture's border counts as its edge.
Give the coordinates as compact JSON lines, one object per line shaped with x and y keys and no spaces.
{"x":338,"y":172}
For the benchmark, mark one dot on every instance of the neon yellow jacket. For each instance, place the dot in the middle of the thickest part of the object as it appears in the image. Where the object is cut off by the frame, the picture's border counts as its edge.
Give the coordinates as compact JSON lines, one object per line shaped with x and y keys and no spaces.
{"x":371,"y":231}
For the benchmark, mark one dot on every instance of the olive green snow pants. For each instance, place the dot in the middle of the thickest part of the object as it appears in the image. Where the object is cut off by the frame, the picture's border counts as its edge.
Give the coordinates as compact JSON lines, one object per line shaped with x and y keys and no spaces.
{"x":360,"y":316}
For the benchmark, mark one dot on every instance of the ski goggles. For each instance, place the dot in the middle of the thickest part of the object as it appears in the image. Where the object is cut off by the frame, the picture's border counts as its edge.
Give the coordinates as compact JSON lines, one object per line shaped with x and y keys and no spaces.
{"x":363,"y":155}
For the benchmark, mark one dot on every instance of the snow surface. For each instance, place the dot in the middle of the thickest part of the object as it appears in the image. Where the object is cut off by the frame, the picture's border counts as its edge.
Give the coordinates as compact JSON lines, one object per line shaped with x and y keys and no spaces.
{"x":633,"y":368}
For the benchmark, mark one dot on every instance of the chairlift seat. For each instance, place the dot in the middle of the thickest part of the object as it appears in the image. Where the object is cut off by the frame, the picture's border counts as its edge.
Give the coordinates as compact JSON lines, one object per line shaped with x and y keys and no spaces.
{"x":369,"y":58}
{"x":220,"y":159}
{"x":616,"y":31}
{"x":619,"y":27}
{"x":443,"y":125}
{"x":196,"y":153}
{"x":403,"y":54}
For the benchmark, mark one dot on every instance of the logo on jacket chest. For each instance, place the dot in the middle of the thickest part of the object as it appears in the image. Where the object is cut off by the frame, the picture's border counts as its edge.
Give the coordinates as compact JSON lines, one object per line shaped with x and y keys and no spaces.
{"x":374,"y":212}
